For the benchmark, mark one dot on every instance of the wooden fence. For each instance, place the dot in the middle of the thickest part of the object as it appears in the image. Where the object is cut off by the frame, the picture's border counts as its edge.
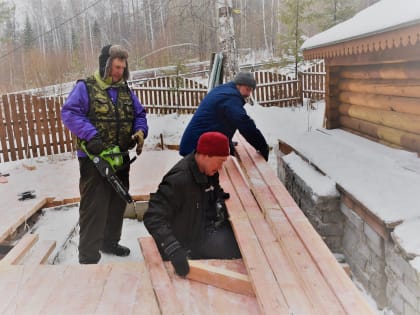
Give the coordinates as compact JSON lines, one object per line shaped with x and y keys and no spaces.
{"x":313,"y":82}
{"x":274,"y":89}
{"x":31,"y":126}
{"x":170,"y":94}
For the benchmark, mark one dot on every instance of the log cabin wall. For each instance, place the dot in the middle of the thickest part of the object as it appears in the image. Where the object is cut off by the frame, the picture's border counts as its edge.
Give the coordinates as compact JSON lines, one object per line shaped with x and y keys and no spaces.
{"x":373,"y":86}
{"x":379,"y":101}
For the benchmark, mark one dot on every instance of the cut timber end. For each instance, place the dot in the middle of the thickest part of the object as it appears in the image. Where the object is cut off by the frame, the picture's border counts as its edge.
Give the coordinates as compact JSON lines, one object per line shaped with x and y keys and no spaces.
{"x":220,"y":277}
{"x":17,"y":252}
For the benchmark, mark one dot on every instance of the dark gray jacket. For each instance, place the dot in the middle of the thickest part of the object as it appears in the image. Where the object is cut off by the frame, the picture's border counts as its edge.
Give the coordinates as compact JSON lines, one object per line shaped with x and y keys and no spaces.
{"x":183,"y":204}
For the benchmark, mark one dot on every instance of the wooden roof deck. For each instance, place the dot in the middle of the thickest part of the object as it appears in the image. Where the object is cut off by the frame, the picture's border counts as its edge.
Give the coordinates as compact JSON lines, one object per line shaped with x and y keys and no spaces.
{"x":57,"y":182}
{"x":286,"y":267}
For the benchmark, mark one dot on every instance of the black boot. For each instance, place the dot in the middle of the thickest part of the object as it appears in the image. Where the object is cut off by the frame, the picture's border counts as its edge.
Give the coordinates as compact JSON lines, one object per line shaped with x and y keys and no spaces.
{"x":115,"y":249}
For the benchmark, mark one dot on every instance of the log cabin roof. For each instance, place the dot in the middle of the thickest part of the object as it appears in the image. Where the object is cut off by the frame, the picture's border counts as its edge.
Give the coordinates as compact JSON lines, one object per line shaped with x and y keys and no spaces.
{"x":385,"y":25}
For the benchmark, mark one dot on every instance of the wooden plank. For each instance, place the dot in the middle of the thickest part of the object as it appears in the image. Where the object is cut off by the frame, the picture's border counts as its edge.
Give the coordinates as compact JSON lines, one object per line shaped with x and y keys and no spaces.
{"x":3,"y":132}
{"x":340,"y":284}
{"x":9,"y":284}
{"x":21,"y":129}
{"x":289,"y":275}
{"x":81,"y":290}
{"x":42,"y":103}
{"x":128,"y":290}
{"x":267,"y":291}
{"x":38,"y":128}
{"x":14,"y":123}
{"x":60,"y":128}
{"x":35,"y":285}
{"x":199,"y":298}
{"x":20,"y":249}
{"x":306,"y":291}
{"x":371,"y":219}
{"x":23,"y":124}
{"x":220,"y":277}
{"x":42,"y":250}
{"x":68,"y":135}
{"x":29,"y":107}
{"x":10,"y":136}
{"x":52,"y":122}
{"x":168,"y":302}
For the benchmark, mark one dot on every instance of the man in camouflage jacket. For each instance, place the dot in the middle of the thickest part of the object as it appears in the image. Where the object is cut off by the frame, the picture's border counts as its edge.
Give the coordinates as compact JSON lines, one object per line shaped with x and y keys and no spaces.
{"x":103,"y":112}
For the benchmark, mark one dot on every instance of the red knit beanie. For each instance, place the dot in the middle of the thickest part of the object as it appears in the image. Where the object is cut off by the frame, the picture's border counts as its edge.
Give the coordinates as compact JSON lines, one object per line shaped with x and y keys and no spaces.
{"x":213,"y":143}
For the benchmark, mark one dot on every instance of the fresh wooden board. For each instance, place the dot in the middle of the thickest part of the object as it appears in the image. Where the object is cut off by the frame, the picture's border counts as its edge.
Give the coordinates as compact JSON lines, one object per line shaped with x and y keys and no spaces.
{"x":258,"y":171}
{"x":194,"y":297}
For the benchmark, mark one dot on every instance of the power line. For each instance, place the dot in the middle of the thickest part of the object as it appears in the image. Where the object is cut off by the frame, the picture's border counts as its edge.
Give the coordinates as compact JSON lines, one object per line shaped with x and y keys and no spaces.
{"x":53,"y":29}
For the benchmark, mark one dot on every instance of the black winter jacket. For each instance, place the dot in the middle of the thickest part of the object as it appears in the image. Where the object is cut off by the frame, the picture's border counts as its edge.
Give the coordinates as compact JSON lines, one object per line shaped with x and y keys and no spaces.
{"x":183,"y":204}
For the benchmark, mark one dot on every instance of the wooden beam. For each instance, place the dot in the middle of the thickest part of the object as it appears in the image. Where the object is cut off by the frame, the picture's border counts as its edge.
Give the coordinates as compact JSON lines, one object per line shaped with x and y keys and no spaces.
{"x":402,"y":54}
{"x":269,"y":296}
{"x":315,"y":291}
{"x":402,"y":71}
{"x":371,"y":219}
{"x":220,"y":278}
{"x":391,"y":119}
{"x":406,"y":88}
{"x":20,"y":249}
{"x":404,"y":139}
{"x":344,"y":289}
{"x":42,"y":250}
{"x":401,"y":104}
{"x":298,"y":298}
{"x":162,"y":285}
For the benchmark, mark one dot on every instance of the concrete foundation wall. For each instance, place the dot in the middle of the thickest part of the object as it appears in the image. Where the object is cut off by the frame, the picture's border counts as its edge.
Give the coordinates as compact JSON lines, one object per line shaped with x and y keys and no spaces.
{"x":322,"y":211}
{"x":385,"y":272}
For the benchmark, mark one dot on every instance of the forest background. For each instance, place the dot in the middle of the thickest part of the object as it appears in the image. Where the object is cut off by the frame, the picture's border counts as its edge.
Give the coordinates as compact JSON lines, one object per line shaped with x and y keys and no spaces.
{"x":45,"y":42}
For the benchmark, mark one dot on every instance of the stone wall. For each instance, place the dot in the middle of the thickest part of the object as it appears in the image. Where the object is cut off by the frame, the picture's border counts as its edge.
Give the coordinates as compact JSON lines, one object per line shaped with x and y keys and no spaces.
{"x":403,"y":287}
{"x":382,"y":266}
{"x":320,"y":206}
{"x":364,"y":252}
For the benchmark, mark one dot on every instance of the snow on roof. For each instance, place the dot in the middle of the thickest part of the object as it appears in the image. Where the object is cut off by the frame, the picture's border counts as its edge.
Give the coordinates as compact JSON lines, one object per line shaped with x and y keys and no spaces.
{"x":383,"y":16}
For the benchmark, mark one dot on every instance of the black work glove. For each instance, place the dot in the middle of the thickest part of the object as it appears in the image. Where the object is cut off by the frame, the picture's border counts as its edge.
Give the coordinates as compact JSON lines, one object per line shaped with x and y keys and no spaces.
{"x":95,"y":145}
{"x":264,"y":152}
{"x":223,"y":195}
{"x":178,"y":257}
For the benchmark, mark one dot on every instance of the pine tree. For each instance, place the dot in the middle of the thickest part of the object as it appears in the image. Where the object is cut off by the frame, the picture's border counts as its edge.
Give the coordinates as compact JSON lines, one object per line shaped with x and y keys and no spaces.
{"x":5,"y":11}
{"x":293,"y":15}
{"x":28,"y":35}
{"x":96,"y":34}
{"x":7,"y":25}
{"x":335,"y":12}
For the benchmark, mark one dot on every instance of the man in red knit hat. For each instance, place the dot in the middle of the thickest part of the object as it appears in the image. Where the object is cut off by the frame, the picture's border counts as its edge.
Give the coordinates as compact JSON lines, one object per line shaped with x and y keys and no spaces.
{"x":187,"y":215}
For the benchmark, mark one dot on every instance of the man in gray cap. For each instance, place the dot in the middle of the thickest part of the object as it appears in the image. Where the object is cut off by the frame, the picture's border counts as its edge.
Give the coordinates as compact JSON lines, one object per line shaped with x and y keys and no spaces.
{"x":223,"y":110}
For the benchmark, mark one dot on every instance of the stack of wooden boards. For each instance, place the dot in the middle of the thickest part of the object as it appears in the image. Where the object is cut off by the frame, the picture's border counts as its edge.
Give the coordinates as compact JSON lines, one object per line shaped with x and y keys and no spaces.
{"x":286,"y":267}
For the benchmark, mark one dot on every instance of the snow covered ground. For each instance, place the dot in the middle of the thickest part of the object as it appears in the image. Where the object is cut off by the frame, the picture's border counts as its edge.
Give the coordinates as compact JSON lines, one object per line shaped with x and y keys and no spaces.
{"x":293,"y":125}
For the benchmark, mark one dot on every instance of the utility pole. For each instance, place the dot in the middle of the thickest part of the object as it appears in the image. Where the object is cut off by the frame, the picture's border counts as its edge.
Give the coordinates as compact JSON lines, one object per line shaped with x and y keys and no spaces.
{"x":227,"y":42}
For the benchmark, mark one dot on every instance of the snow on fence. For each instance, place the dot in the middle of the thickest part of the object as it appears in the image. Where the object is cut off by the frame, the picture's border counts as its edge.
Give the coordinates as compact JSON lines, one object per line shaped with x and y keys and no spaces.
{"x":313,"y":81}
{"x":171,"y":94}
{"x":30,"y":126}
{"x":275,"y":89}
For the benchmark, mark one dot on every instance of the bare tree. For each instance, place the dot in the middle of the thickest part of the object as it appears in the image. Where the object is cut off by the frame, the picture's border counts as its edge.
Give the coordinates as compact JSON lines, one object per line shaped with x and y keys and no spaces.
{"x":227,"y":42}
